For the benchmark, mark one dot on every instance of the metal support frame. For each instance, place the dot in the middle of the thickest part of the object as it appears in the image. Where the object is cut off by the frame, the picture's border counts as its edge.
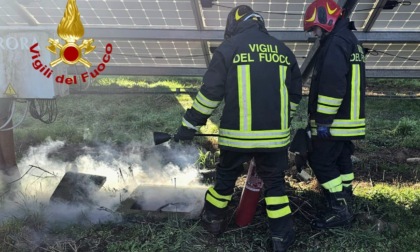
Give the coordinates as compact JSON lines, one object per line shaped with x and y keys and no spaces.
{"x":207,"y":36}
{"x":8,"y":164}
{"x":212,"y":35}
{"x":374,"y":14}
{"x":143,"y":71}
{"x":199,"y":72}
{"x":24,"y":13}
{"x":308,"y":63}
{"x":200,"y":27}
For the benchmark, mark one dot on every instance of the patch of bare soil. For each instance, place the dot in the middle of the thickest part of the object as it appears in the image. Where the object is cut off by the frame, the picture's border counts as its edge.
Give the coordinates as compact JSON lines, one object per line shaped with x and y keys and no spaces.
{"x":385,"y":165}
{"x":394,"y":166}
{"x":403,"y":92}
{"x":400,"y":92}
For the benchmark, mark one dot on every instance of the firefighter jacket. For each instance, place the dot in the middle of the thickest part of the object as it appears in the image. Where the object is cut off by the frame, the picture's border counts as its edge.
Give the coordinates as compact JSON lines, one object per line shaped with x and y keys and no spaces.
{"x":260,"y":82}
{"x":337,"y":92}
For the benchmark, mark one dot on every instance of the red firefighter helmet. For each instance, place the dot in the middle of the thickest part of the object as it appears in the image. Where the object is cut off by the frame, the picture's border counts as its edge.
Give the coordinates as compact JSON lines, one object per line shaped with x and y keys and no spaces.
{"x":322,"y":13}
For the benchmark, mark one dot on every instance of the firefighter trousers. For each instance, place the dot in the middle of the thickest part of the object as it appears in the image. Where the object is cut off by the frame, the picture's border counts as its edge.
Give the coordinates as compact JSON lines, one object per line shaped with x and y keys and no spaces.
{"x":331,"y":162}
{"x":270,"y":168}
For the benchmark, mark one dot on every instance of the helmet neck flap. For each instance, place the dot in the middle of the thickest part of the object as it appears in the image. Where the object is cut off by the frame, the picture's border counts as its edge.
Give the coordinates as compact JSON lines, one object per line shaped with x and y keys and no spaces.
{"x":239,"y":14}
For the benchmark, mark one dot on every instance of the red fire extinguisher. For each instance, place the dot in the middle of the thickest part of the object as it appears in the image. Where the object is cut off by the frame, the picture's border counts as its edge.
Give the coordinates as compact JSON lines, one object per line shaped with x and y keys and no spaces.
{"x":249,"y":198}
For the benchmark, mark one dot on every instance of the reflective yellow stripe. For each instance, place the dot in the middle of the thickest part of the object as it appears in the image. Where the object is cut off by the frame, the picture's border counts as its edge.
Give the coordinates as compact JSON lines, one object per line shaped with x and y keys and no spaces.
{"x":254,"y":139}
{"x":219,"y":196}
{"x":237,"y":143}
{"x":218,"y":200}
{"x":254,"y":143}
{"x":257,"y":134}
{"x":293,"y":106}
{"x":348,"y":123}
{"x":276,"y":200}
{"x":314,"y":132}
{"x":347,"y":177}
{"x":342,"y":132}
{"x":274,"y":214}
{"x":215,"y":202}
{"x":355,"y":92}
{"x":344,"y":123}
{"x":326,"y":109}
{"x":343,"y":127}
{"x":188,"y":124}
{"x":202,"y":109}
{"x":336,"y":102}
{"x":348,"y":132}
{"x":244,"y":92}
{"x":334,"y":185}
{"x":284,"y":98}
{"x":206,"y":101}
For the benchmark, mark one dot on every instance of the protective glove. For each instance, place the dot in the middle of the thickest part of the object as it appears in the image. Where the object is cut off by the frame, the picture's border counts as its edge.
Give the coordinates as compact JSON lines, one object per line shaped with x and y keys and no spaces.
{"x":184,"y":134}
{"x":323,"y":132}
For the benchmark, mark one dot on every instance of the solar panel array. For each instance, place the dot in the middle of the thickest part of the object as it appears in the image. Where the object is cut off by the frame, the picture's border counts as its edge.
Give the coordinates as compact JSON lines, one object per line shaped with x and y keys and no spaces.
{"x":186,"y":32}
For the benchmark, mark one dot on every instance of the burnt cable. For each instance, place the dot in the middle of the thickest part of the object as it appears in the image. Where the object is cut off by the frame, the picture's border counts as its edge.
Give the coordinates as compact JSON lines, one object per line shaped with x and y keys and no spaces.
{"x":44,"y":110}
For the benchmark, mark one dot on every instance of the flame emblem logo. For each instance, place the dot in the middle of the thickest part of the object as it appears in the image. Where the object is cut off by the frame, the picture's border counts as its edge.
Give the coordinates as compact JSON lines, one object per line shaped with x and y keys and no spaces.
{"x":311,"y":19}
{"x":70,"y":30}
{"x":331,"y":11}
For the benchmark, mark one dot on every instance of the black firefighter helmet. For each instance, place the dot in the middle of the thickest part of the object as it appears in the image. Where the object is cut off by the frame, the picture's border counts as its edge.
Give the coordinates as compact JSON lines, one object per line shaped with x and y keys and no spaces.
{"x":238,"y":14}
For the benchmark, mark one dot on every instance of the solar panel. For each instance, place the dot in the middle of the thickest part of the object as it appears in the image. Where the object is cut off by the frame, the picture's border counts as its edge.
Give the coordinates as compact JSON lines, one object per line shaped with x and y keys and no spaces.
{"x":403,"y":18}
{"x":145,"y":16}
{"x":393,"y":56}
{"x":9,"y":16}
{"x":278,"y":15}
{"x":151,"y":53}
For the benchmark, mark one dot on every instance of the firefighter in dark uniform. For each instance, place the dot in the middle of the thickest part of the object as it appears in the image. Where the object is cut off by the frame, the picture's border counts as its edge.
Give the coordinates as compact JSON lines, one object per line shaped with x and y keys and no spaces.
{"x":259,"y":80}
{"x":336,"y":108}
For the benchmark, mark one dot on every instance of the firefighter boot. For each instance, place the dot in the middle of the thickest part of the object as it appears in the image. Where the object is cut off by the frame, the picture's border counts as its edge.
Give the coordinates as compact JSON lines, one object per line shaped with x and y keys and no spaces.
{"x":213,"y":223}
{"x":349,"y":196}
{"x":281,"y":244}
{"x":327,"y":196}
{"x":286,"y":237}
{"x":338,"y":216}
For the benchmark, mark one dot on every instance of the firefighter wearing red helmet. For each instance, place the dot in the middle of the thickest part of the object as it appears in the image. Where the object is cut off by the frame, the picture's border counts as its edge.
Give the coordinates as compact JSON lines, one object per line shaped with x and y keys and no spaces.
{"x":260,"y":82}
{"x":336,"y":107}
{"x":323,"y":14}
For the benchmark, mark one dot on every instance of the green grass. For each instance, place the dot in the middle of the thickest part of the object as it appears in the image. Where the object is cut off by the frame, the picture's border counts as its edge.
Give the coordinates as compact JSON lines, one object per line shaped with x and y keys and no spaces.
{"x":394,"y":84}
{"x":393,"y":123}
{"x":106,"y":118}
{"x":388,"y":209}
{"x":387,"y":221}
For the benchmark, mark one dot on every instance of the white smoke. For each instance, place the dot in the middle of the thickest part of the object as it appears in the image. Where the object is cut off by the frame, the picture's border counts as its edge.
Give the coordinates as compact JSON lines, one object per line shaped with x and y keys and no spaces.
{"x":125,"y":170}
